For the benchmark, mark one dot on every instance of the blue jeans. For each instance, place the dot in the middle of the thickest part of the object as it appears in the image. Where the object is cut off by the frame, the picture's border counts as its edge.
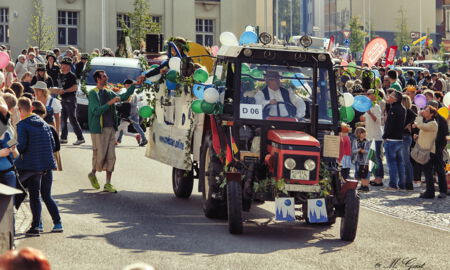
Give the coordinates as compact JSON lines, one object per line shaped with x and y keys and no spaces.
{"x":134,"y":118}
{"x":409,"y":173}
{"x":46,"y":193}
{"x":32,"y":180}
{"x":379,"y":172}
{"x":395,"y":161}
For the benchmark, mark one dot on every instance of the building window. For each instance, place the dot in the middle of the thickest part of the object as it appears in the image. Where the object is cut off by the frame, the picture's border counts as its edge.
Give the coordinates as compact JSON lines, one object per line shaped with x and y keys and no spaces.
{"x":204,"y":29}
{"x":158,"y":20}
{"x":4,"y":31}
{"x":67,"y":27}
{"x":122,"y":18}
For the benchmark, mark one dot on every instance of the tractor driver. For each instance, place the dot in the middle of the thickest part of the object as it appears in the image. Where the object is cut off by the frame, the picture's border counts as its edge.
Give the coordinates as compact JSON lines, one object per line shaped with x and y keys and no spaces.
{"x":278,"y":101}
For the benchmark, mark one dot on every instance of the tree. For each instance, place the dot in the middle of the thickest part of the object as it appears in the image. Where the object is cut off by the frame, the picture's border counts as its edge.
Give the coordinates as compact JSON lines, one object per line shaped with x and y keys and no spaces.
{"x":41,"y":33}
{"x":357,"y":35}
{"x":402,"y":37}
{"x":141,"y":24}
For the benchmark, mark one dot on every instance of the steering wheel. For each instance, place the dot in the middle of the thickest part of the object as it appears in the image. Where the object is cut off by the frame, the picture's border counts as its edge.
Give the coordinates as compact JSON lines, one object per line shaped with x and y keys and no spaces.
{"x":290,"y":108}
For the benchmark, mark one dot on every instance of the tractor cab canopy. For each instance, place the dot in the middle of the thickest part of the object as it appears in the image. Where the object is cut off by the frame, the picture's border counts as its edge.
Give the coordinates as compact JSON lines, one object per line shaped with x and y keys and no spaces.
{"x":269,"y":84}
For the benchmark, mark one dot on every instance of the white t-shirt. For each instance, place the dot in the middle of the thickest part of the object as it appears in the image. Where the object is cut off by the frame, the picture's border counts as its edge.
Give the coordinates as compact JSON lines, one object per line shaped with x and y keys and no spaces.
{"x":276,"y":94}
{"x":373,"y":128}
{"x":56,"y":105}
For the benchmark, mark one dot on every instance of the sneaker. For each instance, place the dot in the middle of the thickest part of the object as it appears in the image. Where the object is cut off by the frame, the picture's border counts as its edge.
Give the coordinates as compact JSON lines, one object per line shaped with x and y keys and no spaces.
{"x":32,"y":232}
{"x":363,"y":189}
{"x":389,"y":189}
{"x":109,"y":188}
{"x":442,"y":195}
{"x":63,"y":141}
{"x":416,"y":184}
{"x":94,"y":181}
{"x":78,"y":142}
{"x":143,"y":142}
{"x":58,"y":228}
{"x":40,"y":228}
{"x":375,"y":184}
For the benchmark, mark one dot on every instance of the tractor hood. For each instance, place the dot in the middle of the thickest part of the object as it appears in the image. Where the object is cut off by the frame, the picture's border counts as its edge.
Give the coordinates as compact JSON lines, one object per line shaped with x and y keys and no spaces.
{"x":292,"y":137}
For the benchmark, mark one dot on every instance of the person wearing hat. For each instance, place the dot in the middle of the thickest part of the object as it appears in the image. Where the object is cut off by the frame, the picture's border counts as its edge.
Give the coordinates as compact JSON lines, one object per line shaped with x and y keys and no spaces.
{"x":41,"y":75}
{"x":273,"y":94}
{"x":68,"y":88}
{"x":79,"y":67}
{"x":53,"y":105}
{"x":52,"y":67}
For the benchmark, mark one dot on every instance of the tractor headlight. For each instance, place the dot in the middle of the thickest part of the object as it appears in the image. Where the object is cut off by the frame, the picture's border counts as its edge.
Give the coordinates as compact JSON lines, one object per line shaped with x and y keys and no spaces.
{"x":290,"y":163}
{"x":309,"y":164}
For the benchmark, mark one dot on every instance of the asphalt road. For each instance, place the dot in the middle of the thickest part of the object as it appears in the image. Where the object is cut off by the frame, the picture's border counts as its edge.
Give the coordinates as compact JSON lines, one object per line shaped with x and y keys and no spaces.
{"x":144,"y":222}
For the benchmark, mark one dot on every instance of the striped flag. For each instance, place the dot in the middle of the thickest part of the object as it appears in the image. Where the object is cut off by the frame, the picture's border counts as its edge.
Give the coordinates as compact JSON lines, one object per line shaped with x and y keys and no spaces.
{"x":372,"y":157}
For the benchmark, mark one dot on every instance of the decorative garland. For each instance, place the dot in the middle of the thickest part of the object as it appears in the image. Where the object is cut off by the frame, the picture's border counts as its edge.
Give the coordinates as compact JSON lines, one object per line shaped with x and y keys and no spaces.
{"x":84,"y":73}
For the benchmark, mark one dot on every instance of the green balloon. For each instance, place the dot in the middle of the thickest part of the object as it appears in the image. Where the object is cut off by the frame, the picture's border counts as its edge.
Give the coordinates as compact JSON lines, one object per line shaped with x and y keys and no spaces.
{"x":145,"y":111}
{"x":196,"y":106}
{"x":351,"y":67}
{"x":201,"y":75}
{"x":245,"y":69}
{"x":256,"y":73}
{"x":172,"y":75}
{"x":347,"y":114}
{"x":154,"y":66}
{"x":208,"y":108}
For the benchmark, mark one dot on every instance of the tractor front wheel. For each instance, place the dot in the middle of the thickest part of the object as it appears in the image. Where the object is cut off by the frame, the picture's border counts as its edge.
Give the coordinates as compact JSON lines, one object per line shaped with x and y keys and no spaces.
{"x":234,"y":198}
{"x":349,"y":222}
{"x":182,"y":183}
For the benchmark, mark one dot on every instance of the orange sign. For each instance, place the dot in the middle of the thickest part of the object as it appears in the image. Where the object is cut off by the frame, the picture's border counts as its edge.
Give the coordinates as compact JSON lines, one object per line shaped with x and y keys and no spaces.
{"x":373,"y":51}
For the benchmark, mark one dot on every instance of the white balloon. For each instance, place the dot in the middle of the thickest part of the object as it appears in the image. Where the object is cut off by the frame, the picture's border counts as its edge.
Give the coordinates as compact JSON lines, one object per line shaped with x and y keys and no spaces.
{"x":250,"y":28}
{"x":348,"y":99}
{"x":447,"y":99}
{"x":175,"y":63}
{"x":228,"y":39}
{"x":211,"y":95}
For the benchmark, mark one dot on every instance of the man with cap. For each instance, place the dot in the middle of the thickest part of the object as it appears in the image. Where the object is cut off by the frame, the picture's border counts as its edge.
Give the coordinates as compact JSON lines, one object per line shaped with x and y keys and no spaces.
{"x":273,"y":95}
{"x":68,"y":84}
{"x":393,"y":144}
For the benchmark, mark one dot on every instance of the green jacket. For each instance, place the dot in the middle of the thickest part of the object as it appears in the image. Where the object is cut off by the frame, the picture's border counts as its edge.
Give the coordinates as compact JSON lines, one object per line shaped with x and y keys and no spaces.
{"x":96,"y":110}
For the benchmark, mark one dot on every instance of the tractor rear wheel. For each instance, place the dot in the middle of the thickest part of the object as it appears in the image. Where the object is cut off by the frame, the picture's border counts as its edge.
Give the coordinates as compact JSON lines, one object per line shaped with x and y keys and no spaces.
{"x":349,"y":222}
{"x":182,"y":183}
{"x":234,"y":198}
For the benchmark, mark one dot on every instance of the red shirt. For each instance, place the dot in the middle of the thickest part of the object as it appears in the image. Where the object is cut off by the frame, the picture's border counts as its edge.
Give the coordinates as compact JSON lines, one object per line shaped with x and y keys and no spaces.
{"x":345,"y":147}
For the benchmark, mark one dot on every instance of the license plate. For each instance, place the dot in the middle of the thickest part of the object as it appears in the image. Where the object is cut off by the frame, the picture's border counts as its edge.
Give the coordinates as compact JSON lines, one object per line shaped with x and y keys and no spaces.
{"x":299,"y":174}
{"x":302,"y":188}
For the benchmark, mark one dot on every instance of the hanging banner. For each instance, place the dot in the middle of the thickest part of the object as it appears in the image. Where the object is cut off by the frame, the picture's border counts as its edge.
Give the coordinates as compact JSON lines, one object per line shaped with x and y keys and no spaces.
{"x":419,"y":40}
{"x":373,"y":51}
{"x":331,"y":44}
{"x":390,"y":55}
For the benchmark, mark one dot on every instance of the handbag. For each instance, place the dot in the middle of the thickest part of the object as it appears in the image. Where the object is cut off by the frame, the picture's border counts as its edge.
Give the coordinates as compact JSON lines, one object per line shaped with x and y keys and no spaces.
{"x":420,"y":155}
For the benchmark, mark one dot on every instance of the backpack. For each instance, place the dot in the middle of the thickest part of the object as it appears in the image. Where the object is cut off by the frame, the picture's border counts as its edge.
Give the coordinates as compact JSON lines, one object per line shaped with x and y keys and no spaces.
{"x":49,"y":118}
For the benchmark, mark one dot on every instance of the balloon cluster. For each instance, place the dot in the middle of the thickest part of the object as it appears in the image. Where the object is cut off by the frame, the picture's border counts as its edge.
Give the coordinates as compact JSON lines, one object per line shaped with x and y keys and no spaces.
{"x":208,"y":99}
{"x":349,"y":104}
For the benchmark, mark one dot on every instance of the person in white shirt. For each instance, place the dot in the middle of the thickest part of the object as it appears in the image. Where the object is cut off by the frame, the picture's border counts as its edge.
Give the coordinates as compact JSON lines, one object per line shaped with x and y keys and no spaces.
{"x":372,"y":119}
{"x":273,"y":94}
{"x":31,"y":63}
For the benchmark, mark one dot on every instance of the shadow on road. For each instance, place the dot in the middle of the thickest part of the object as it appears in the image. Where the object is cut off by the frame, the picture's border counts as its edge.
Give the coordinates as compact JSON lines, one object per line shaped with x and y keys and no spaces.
{"x":158,"y":221}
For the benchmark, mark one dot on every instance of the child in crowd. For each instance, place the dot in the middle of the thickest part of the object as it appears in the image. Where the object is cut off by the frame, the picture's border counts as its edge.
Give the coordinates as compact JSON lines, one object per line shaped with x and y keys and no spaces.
{"x":360,"y":150}
{"x":345,"y":151}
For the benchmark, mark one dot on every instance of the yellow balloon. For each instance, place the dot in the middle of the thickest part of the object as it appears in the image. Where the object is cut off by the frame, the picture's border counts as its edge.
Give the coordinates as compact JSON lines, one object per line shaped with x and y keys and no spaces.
{"x":430,"y":42}
{"x":443,"y":112}
{"x":404,"y":59}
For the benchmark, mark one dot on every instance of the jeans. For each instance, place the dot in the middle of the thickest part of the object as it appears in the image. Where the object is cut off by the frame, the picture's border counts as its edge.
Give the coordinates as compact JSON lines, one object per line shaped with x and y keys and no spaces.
{"x":379,"y":172}
{"x":395,"y":161}
{"x":9,"y":179}
{"x":46,"y":193}
{"x":134,"y":118}
{"x":69,"y":110}
{"x":32,"y":180}
{"x":409,"y":173}
{"x":429,"y":176}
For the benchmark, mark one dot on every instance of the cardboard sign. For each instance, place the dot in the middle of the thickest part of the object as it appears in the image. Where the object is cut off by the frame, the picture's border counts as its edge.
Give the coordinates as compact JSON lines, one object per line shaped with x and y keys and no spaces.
{"x":331,"y":146}
{"x":374,"y":50}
